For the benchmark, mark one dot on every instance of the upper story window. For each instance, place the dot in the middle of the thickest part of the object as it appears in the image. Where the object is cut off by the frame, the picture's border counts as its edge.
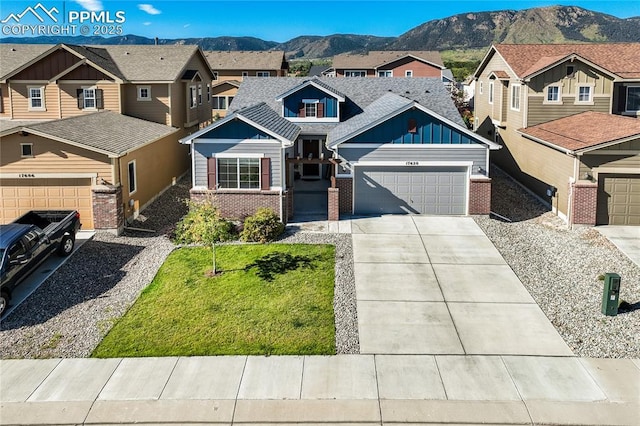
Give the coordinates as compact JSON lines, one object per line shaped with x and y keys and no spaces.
{"x":263,"y":74}
{"x":36,"y":98}
{"x":355,"y":73}
{"x":408,"y":73}
{"x":89,"y":98}
{"x":553,"y":95}
{"x":585,"y":94}
{"x":515,"y":97}
{"x":26,"y":150}
{"x":310,"y":107}
{"x":193,"y":95}
{"x":570,"y":70}
{"x":385,"y":73}
{"x":199,"y":94}
{"x":491,"y":92}
{"x":144,"y":93}
{"x":633,"y":98}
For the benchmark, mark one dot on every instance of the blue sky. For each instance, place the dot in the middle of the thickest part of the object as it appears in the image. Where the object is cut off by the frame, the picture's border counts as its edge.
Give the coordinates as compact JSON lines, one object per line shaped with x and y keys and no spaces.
{"x":283,"y":20}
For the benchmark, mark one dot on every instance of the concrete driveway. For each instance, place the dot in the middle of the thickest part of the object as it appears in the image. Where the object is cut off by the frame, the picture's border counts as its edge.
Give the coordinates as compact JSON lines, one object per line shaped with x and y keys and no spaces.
{"x":437,"y":285}
{"x":626,"y":238}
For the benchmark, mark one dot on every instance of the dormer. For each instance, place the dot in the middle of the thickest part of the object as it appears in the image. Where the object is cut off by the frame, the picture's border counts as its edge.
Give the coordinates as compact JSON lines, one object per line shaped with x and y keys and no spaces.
{"x":313,"y":102}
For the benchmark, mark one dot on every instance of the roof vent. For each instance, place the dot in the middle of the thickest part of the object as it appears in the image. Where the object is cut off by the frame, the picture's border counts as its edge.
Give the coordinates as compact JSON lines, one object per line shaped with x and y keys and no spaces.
{"x":407,"y":92}
{"x":426,"y":91}
{"x":126,"y":53}
{"x":13,"y":49}
{"x":161,"y":58}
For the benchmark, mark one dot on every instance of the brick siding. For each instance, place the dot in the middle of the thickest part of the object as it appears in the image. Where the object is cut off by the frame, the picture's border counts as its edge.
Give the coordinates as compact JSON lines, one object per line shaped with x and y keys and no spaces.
{"x":480,"y":196}
{"x":584,"y":203}
{"x":345,"y":185}
{"x":108,"y":211}
{"x":238,"y":205}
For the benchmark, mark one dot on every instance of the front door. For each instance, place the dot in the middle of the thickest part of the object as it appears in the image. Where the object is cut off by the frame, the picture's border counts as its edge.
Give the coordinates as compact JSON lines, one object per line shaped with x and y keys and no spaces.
{"x":311,"y":149}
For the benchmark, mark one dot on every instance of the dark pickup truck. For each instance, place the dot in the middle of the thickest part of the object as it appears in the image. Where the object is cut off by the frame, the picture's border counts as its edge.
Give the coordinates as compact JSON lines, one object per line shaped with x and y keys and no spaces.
{"x":29,"y":240}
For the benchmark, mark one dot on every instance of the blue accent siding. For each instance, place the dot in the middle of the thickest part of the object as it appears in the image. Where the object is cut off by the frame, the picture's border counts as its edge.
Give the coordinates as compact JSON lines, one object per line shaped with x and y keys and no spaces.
{"x":429,"y":131}
{"x":235,"y":129}
{"x":292,"y":102}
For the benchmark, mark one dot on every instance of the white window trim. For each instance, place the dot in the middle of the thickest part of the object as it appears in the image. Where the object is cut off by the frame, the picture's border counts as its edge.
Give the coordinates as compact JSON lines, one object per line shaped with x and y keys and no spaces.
{"x":238,"y":158}
{"x":43,"y":107}
{"x":627,"y":98}
{"x":363,"y":72}
{"x":22,"y":145}
{"x":208,"y":92}
{"x":546,"y":95}
{"x":512,"y":93}
{"x":135,"y":177}
{"x":139,"y":93}
{"x":591,"y":87}
{"x":314,"y":102}
{"x":408,"y":73}
{"x":263,"y":74}
{"x":387,"y":73}
{"x":84,"y":98}
{"x":491,"y":87}
{"x":193,"y":97}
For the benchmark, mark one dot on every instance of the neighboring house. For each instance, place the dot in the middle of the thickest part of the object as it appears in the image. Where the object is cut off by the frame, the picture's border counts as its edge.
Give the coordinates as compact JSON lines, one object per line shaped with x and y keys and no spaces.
{"x":56,"y":84}
{"x":389,"y":64}
{"x":541,"y":101}
{"x":320,"y":71}
{"x":231,"y":67}
{"x":469,"y":90}
{"x":362,"y":146}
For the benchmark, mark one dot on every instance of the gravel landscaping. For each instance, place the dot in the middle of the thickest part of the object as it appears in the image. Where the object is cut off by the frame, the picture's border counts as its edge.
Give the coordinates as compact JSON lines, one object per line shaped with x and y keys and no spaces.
{"x":560,"y":269}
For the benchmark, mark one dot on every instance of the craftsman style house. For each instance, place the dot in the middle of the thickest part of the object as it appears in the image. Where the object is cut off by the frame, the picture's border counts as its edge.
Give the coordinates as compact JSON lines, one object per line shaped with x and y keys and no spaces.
{"x":567,"y":118}
{"x":389,"y":64}
{"x":96,"y":128}
{"x":231,"y":67}
{"x":339,"y":145}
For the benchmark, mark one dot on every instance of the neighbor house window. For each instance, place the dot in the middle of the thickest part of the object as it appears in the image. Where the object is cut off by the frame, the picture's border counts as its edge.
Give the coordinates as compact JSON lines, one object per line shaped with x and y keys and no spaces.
{"x":553,"y":94}
{"x":491,"y":92}
{"x":144,"y":93}
{"x":584,"y":94}
{"x":239,"y":173}
{"x":633,"y":98}
{"x":131,"y":169}
{"x":199,"y":94}
{"x":515,"y":97}
{"x":193,"y":95}
{"x":263,"y":74}
{"x":352,"y":73}
{"x":26,"y":149}
{"x":219,"y":102}
{"x":386,"y":73}
{"x":408,"y":73}
{"x":36,"y":98}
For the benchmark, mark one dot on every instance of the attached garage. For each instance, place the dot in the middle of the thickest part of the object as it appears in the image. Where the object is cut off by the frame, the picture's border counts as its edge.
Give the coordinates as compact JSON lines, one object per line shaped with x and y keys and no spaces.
{"x":21,"y":195}
{"x":618,"y":199}
{"x":438,"y":190}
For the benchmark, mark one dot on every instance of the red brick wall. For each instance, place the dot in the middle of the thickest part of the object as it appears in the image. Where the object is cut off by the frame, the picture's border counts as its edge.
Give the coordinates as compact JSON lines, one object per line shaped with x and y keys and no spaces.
{"x":334,"y":203}
{"x":584,"y":203}
{"x":480,"y":196}
{"x":108,"y":211}
{"x":238,"y":204}
{"x":345,"y":185}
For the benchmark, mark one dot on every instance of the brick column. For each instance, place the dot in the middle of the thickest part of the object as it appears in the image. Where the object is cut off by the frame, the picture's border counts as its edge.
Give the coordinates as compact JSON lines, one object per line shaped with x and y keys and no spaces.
{"x":334,"y":203}
{"x":290,"y":203}
{"x":108,"y":211}
{"x":584,"y":203}
{"x":480,"y":196}
{"x":345,"y":185}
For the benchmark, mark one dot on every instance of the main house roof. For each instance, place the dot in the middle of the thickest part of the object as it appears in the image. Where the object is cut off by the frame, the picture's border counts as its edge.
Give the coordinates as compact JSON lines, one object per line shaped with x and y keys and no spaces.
{"x":245,"y":60}
{"x":15,"y":56}
{"x":377,"y":58}
{"x":620,"y":59}
{"x":585,"y":131}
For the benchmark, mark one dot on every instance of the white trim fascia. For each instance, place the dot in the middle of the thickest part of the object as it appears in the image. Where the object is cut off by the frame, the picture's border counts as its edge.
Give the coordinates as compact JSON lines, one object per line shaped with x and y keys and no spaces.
{"x":484,"y":64}
{"x":344,"y":176}
{"x":410,"y":163}
{"x":48,"y":175}
{"x":615,"y":170}
{"x":305,"y":84}
{"x":238,"y":155}
{"x":411,"y":145}
{"x":313,"y":119}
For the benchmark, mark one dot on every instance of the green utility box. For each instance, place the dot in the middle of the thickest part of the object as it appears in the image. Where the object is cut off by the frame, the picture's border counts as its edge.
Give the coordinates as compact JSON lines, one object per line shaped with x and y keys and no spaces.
{"x":611,"y":294}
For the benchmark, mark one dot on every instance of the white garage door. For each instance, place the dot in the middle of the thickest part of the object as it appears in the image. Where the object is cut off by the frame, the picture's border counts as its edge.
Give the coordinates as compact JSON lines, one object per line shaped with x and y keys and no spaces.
{"x":21,"y":195}
{"x":415,"y":189}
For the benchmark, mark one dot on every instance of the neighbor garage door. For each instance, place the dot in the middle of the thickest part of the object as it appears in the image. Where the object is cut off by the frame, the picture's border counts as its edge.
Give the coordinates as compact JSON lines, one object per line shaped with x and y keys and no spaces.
{"x":619,"y":200}
{"x":417,"y":189}
{"x":21,"y":195}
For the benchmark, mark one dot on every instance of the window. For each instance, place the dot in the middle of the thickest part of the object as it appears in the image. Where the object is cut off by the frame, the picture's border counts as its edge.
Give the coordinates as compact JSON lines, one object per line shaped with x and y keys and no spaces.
{"x":208,"y":93}
{"x":408,"y":73}
{"x":553,"y":94}
{"x":310,"y":109}
{"x":215,"y":75}
{"x":132,"y":177}
{"x":219,"y":102}
{"x":89,"y":98}
{"x":193,"y":96}
{"x":263,"y":74}
{"x":144,"y":93}
{"x":633,"y":98}
{"x":515,"y":97}
{"x":386,"y":73}
{"x":351,"y":73}
{"x":480,"y":88}
{"x":199,"y":94}
{"x":36,"y":98}
{"x":239,"y":173}
{"x":584,"y":94}
{"x":491,"y":92}
{"x":26,"y":149}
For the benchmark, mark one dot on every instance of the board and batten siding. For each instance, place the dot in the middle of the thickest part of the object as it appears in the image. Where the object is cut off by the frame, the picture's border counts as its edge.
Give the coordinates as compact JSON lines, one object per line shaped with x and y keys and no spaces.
{"x":269,"y":148}
{"x":477,"y":154}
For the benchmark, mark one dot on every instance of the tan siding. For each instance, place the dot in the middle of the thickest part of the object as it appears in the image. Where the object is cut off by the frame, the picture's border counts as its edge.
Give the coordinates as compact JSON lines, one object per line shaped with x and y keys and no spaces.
{"x":69,"y":97}
{"x":51,"y":157}
{"x":20,"y":99}
{"x":5,"y":105}
{"x":540,"y":112}
{"x":503,"y":101}
{"x":178,"y":104}
{"x":583,"y":74}
{"x":627,"y":162}
{"x":156,"y":110}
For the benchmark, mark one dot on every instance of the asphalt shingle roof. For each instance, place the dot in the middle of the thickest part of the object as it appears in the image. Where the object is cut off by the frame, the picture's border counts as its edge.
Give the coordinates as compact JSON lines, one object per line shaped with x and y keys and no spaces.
{"x":585,"y":130}
{"x":245,"y":60}
{"x":376,"y":58}
{"x":10,"y":126}
{"x":264,"y":116}
{"x":105,"y":131}
{"x":13,"y":56}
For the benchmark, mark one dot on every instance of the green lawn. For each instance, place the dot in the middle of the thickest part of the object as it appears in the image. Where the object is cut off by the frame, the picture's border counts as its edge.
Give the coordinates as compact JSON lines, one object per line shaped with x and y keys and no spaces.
{"x":282,"y":306}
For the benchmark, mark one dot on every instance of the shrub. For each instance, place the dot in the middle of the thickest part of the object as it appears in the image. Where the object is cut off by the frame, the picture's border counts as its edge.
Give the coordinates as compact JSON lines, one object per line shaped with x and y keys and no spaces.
{"x":203,"y":225}
{"x":262,"y":227}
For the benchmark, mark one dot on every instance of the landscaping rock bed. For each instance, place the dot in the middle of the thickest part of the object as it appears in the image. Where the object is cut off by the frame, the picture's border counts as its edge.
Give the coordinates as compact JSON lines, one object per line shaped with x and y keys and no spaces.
{"x":560,"y":267}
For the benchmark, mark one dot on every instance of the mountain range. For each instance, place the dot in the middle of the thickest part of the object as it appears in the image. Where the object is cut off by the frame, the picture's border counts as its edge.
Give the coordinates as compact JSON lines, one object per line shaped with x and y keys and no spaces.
{"x":477,"y":30}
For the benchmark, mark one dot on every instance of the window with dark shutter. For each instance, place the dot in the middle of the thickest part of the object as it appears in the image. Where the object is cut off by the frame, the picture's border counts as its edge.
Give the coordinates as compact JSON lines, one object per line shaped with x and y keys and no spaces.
{"x":265,"y":173}
{"x":211,"y":173}
{"x":99,"y":99}
{"x":412,"y":126}
{"x":80,"y":94}
{"x":320,"y":110}
{"x":301,"y":110}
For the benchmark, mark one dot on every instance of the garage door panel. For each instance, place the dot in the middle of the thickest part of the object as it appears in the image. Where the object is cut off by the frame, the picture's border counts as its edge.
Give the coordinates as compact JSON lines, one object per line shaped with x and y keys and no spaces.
{"x":618,"y":199}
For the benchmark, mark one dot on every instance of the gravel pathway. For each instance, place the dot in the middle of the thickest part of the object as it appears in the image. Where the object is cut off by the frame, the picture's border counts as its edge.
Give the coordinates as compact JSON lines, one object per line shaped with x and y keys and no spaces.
{"x":73,"y":310}
{"x":560,"y":269}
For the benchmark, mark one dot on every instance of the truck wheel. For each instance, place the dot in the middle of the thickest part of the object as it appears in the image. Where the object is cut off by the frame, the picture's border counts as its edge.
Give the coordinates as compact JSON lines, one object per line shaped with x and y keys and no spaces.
{"x":4,"y":301}
{"x":66,"y":245}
